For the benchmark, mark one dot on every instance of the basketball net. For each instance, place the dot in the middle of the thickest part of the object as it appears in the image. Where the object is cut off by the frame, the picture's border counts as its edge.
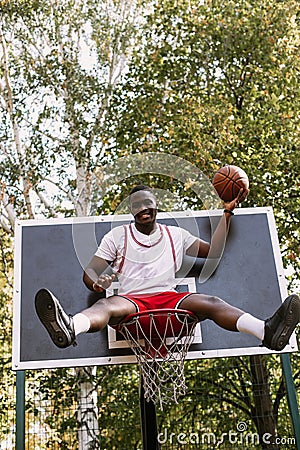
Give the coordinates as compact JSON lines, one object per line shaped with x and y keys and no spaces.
{"x":160,"y":340}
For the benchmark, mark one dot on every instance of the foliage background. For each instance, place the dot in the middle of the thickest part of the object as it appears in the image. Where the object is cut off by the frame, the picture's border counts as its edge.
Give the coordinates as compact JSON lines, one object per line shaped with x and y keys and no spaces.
{"x":84,"y":83}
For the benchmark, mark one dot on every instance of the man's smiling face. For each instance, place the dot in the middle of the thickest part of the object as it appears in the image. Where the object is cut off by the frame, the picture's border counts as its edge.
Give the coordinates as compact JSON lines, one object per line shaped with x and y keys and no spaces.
{"x":143,"y":206}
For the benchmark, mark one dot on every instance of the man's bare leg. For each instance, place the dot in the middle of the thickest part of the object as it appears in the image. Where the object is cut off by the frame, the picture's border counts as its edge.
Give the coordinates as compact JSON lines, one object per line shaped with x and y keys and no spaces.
{"x":274,"y":332}
{"x":213,"y":308}
{"x":108,"y":311}
{"x":63,"y":328}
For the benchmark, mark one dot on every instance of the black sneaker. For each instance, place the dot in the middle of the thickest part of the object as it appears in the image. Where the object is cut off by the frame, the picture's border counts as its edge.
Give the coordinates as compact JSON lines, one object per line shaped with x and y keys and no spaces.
{"x":58,"y":324}
{"x":281,"y":325}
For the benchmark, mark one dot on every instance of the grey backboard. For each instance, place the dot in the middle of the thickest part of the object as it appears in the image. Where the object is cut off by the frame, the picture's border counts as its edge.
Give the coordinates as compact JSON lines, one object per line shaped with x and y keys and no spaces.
{"x":53,"y":253}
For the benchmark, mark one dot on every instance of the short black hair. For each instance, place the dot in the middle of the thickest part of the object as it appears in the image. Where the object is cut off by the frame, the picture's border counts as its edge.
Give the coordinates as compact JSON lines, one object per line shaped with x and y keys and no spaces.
{"x":141,"y":187}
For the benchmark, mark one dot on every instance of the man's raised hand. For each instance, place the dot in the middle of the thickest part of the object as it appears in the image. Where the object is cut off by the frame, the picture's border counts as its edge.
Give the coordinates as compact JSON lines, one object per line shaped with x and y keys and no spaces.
{"x":239,"y":199}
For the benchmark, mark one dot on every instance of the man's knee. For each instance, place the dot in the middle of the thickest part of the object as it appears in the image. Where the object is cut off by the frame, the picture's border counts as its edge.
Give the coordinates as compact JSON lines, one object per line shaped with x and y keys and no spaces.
{"x":108,"y":311}
{"x":204,"y":306}
{"x":214,"y":300}
{"x":203,"y":299}
{"x":120,"y":306}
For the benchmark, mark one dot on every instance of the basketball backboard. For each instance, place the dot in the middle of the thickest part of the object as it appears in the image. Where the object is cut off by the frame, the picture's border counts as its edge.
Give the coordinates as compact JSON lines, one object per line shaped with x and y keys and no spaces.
{"x":52,"y":254}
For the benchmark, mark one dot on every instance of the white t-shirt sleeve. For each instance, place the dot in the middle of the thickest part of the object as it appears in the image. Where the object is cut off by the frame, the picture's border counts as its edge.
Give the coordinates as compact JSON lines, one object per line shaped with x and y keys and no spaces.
{"x":187,"y":239}
{"x":111,"y":244}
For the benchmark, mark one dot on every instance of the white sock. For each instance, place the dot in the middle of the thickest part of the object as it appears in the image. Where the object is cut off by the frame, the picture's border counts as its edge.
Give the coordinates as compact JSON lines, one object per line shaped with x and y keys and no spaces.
{"x":81,"y":323}
{"x":251,"y":325}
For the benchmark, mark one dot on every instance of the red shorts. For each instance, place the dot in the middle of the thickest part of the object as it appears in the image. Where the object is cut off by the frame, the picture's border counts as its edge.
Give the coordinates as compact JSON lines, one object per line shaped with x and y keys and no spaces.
{"x":157,"y":300}
{"x":162,"y":328}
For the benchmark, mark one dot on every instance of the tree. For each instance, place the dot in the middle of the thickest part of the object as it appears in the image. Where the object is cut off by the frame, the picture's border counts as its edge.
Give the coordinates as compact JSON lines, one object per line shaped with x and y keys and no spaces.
{"x":60,"y":63}
{"x":58,"y":76}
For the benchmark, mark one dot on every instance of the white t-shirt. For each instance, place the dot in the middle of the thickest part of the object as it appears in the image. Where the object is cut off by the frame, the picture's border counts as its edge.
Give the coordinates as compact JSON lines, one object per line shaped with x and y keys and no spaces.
{"x":145,"y":263}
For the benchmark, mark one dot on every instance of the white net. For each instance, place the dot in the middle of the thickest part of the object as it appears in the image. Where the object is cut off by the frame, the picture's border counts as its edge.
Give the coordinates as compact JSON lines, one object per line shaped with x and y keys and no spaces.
{"x":160,"y":340}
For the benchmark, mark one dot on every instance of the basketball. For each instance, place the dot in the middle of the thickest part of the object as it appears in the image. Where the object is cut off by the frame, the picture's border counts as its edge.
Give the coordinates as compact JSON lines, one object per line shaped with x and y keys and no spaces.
{"x":228,"y":181}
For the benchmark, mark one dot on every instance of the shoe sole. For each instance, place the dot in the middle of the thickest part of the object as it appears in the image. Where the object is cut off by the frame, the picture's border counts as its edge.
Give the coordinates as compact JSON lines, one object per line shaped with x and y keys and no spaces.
{"x":47,"y":311}
{"x":285,"y":329}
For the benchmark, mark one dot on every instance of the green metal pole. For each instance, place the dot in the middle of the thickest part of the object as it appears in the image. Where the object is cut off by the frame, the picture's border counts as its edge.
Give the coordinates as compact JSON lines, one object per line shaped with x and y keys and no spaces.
{"x":292,"y":396}
{"x":20,"y":410}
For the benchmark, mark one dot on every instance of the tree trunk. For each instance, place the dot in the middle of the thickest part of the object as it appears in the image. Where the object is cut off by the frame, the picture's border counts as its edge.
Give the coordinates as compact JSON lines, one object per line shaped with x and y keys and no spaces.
{"x":263,"y":415}
{"x":87,"y":415}
{"x":9,"y":102}
{"x":83,"y":201}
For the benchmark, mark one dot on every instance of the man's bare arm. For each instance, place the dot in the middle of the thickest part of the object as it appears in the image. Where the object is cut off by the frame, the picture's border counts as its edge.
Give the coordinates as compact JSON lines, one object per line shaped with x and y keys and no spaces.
{"x":214,"y":249}
{"x":96,"y":276}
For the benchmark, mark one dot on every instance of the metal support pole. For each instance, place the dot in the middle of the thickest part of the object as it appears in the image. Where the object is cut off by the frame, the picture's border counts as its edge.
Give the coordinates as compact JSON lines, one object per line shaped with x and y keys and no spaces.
{"x":20,"y":410}
{"x":148,"y":422}
{"x":292,"y":396}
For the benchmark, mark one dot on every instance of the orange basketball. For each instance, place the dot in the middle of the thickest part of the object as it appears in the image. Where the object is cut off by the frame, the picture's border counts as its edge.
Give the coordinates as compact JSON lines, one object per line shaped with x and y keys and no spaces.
{"x":228,"y":181}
